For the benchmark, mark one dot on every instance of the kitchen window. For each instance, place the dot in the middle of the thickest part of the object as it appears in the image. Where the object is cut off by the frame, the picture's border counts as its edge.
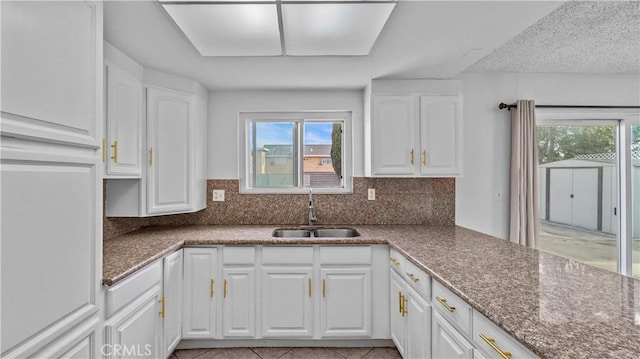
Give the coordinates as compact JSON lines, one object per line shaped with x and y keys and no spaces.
{"x":292,"y":152}
{"x":588,"y":175}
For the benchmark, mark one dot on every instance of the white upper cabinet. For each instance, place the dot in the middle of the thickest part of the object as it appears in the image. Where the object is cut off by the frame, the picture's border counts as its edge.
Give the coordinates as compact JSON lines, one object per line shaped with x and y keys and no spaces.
{"x":169,"y":150}
{"x":124,"y":124}
{"x":170,"y":167}
{"x":393,"y":135}
{"x":414,"y":129}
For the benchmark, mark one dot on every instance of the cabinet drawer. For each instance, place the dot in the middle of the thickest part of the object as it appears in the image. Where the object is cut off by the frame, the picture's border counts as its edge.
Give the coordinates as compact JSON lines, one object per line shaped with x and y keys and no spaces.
{"x":483,"y":327}
{"x":133,"y":287}
{"x":418,"y":279}
{"x":397,"y":261}
{"x":239,"y":255}
{"x":345,"y":255}
{"x":454,"y":309}
{"x":287,"y":255}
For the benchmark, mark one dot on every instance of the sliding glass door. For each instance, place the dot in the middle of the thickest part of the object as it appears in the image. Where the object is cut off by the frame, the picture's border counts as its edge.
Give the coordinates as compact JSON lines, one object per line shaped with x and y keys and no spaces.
{"x":588,"y":181}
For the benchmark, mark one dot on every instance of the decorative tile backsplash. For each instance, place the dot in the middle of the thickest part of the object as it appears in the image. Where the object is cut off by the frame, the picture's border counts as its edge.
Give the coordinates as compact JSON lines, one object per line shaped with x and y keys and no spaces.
{"x":398,"y":201}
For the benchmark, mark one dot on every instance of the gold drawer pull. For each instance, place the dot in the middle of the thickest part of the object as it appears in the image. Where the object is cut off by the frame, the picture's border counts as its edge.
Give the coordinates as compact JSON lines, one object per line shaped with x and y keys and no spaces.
{"x":412,"y":156}
{"x":400,"y":302}
{"x":394,"y":261}
{"x":309,"y":287}
{"x":413,"y":278}
{"x":104,"y":149}
{"x":211,"y":285}
{"x":424,"y":157}
{"x":444,"y":303}
{"x":492,"y":343}
{"x":225,"y":288}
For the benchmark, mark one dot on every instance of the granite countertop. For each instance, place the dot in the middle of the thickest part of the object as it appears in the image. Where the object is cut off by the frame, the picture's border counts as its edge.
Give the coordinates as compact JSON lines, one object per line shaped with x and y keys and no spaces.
{"x":556,"y":307}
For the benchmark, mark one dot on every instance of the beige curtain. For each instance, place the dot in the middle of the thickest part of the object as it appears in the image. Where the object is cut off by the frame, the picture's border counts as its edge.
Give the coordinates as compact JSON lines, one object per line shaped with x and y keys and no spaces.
{"x":524,"y":175}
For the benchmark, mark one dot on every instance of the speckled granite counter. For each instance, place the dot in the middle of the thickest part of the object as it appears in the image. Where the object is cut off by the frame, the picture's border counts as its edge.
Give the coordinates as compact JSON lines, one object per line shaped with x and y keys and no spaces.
{"x":556,"y":307}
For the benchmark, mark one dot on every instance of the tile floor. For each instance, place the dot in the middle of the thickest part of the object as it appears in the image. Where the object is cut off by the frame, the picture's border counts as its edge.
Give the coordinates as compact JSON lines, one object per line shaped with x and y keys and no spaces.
{"x":287,"y":353}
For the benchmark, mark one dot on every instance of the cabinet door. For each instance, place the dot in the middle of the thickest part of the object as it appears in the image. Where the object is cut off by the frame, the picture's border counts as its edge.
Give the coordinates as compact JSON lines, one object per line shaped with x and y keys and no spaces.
{"x":172,"y":287}
{"x":239,"y":304}
{"x":418,"y":319}
{"x":287,"y":306}
{"x":394,"y":136}
{"x":447,"y":342}
{"x":200,"y":295}
{"x":345,"y":307}
{"x":440,"y":135}
{"x":169,"y":151}
{"x":124,"y":124}
{"x":138,"y":330}
{"x":396,"y":311}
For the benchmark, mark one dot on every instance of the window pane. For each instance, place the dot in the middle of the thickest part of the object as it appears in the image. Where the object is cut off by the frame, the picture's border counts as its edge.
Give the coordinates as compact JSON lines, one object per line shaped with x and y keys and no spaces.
{"x":322,"y":164}
{"x":635,"y":195}
{"x":578,"y":193}
{"x":273,"y":154}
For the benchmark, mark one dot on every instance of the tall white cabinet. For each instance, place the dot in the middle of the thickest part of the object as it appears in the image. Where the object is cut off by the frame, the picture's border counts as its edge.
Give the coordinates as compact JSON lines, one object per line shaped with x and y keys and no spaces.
{"x":414,"y":128}
{"x":51,"y":115}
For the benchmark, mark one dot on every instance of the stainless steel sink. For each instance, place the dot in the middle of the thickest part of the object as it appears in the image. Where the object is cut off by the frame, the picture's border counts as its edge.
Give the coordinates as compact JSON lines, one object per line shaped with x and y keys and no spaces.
{"x":316,"y":232}
{"x":336,"y":232}
{"x":291,"y":233}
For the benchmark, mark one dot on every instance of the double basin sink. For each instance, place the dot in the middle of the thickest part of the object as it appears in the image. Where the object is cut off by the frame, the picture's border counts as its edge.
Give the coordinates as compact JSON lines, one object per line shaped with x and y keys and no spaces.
{"x":316,"y":232}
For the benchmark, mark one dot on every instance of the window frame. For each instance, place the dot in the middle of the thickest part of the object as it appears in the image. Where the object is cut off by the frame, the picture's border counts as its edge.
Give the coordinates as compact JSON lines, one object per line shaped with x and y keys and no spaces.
{"x":246,"y":120}
{"x":624,"y":119}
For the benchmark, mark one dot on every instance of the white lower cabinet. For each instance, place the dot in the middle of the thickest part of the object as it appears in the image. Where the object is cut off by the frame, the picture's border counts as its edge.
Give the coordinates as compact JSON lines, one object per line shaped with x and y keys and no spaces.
{"x":172,"y":302}
{"x":287,"y":304}
{"x":345,"y":309}
{"x":200,"y":293}
{"x":239,"y":302}
{"x":410,"y":319}
{"x":447,"y":342}
{"x":137,"y":330}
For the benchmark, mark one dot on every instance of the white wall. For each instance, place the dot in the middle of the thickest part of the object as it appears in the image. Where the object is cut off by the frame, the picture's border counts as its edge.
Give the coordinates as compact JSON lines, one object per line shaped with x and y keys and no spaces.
{"x":224,"y":107}
{"x":486,"y":144}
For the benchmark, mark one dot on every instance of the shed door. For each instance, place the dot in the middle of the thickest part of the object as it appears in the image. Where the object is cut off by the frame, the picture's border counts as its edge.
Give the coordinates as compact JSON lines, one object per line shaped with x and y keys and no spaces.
{"x":585,"y":198}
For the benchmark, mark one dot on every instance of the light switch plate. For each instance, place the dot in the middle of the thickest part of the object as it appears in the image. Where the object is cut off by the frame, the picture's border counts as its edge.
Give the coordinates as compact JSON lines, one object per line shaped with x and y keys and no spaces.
{"x":371,"y":194}
{"x":218,"y":195}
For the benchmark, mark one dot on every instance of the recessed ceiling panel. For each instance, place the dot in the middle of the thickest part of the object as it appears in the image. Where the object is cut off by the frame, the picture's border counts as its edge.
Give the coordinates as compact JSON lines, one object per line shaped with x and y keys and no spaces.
{"x":230,"y":29}
{"x":344,"y":29}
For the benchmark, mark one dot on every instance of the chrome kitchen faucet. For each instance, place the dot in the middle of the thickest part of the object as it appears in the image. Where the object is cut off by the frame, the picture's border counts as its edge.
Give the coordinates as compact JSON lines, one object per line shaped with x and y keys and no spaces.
{"x":312,"y":215}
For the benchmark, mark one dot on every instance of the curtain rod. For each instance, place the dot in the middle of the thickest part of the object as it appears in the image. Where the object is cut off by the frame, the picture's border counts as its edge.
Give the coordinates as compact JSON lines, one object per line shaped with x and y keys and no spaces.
{"x":503,"y":105}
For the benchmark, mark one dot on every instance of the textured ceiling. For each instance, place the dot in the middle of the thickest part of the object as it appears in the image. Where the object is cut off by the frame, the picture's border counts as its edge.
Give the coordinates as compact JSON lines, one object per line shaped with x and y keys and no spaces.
{"x":578,"y":37}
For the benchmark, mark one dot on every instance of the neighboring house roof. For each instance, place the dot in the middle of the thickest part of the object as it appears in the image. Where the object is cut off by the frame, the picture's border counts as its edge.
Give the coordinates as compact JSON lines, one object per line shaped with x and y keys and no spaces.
{"x":317,"y":150}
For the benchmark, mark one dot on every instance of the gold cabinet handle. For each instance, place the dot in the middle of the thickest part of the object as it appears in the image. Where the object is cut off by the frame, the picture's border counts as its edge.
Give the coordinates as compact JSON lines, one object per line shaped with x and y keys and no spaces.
{"x":324,"y":288}
{"x":211,"y":285}
{"x":413,"y":278}
{"x":444,"y":303}
{"x":309,"y":287}
{"x":400,"y":302}
{"x":404,"y":306}
{"x":162,"y":306}
{"x":225,"y":288}
{"x":104,"y":149}
{"x":492,"y":343}
{"x":412,"y":156}
{"x":424,"y":158}
{"x":151,"y":156}
{"x":115,"y":152}
{"x":394,"y":261}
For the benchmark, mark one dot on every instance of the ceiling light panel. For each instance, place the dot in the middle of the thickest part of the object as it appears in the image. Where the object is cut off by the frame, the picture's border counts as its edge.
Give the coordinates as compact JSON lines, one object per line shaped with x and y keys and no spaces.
{"x":343,"y":29}
{"x":229,"y":29}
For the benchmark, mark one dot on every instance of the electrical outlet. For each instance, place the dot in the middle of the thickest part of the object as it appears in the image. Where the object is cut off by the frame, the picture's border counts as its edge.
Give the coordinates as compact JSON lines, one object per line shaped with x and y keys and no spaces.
{"x":371,"y":194}
{"x":218,"y":195}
